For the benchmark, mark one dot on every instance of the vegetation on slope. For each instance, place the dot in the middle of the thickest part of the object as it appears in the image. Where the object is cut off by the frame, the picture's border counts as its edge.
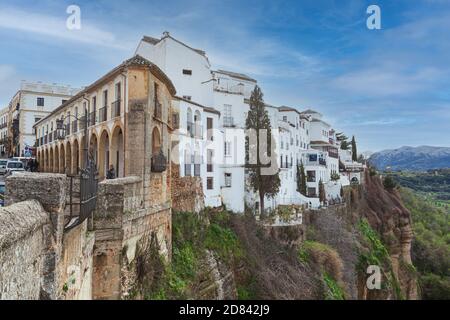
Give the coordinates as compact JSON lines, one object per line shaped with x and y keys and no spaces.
{"x":431,"y":245}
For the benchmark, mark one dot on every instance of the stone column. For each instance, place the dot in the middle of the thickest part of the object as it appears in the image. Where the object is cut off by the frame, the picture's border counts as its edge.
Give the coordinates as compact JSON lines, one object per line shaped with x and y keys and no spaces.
{"x":50,"y":190}
{"x":108,"y":221}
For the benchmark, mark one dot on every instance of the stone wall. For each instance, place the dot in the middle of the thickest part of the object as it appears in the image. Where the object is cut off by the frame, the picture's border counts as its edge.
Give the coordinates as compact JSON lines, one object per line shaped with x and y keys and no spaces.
{"x":187,"y":192}
{"x":24,"y":233}
{"x":121,"y":222}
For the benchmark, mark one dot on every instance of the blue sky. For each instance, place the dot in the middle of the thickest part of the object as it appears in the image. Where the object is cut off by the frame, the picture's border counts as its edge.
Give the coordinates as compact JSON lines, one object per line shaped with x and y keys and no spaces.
{"x":388,"y":87}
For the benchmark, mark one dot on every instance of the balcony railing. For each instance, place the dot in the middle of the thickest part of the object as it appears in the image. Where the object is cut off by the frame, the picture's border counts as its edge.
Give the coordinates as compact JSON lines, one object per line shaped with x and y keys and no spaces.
{"x":228,"y":122}
{"x":187,"y":169}
{"x":92,"y":118}
{"x":102,"y":114}
{"x":116,"y":109}
{"x":159,"y":162}
{"x":196,"y":170}
{"x":75,"y":126}
{"x":158,"y":110}
{"x":175,"y":121}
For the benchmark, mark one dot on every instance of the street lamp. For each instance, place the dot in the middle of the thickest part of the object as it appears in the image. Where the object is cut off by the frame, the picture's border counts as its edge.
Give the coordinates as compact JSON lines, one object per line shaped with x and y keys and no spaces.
{"x":61,"y":132}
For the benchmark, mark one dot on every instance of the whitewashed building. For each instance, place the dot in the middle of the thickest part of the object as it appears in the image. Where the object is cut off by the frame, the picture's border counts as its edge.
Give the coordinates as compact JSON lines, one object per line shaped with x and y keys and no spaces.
{"x":3,"y":131}
{"x":33,"y":102}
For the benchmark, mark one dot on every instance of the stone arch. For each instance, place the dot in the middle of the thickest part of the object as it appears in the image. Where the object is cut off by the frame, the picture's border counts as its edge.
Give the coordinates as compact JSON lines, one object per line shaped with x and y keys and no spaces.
{"x":156,"y":141}
{"x":75,"y":157}
{"x":46,"y":160}
{"x":50,"y":162}
{"x":62,"y":158}
{"x":68,"y":164}
{"x":56,"y":159}
{"x":93,"y":148}
{"x":117,"y":151}
{"x":103,"y":154}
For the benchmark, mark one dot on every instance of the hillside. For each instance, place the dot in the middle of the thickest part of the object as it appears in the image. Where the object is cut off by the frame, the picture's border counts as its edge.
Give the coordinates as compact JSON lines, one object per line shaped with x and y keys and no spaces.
{"x":221,"y":255}
{"x":412,"y":158}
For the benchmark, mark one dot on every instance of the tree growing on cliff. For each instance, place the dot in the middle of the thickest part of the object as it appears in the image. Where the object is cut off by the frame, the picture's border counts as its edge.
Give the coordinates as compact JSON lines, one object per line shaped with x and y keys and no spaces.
{"x":321,"y":191}
{"x":354,"y":151}
{"x":260,"y":150}
{"x":301,"y":179}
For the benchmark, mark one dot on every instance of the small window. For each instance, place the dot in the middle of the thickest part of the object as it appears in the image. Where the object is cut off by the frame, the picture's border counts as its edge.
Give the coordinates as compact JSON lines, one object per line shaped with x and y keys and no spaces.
{"x":227,"y":148}
{"x":210,"y":183}
{"x":40,"y":102}
{"x":187,"y":72}
{"x":228,"y":180}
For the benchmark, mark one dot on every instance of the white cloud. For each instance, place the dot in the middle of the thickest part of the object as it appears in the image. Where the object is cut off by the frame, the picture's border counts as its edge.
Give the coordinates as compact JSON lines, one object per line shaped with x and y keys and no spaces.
{"x":55,"y":28}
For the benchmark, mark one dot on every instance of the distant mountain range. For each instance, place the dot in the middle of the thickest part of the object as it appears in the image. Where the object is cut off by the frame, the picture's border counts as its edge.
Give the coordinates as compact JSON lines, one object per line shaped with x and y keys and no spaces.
{"x":412,"y":158}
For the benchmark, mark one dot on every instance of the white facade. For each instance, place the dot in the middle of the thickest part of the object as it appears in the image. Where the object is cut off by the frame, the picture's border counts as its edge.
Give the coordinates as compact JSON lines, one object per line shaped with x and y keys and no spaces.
{"x":3,"y":130}
{"x":298,"y":135}
{"x":33,"y":102}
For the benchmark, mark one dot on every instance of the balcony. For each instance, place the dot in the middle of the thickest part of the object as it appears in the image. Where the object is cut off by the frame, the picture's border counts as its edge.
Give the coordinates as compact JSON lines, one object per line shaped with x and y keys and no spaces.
{"x":102,"y":114}
{"x":158,"y":110}
{"x":228,"y":122}
{"x":187,"y":170}
{"x":92,"y":118}
{"x":175,"y":121}
{"x":159,"y":162}
{"x":116,"y":108}
{"x":197,"y":170}
{"x":75,"y":126}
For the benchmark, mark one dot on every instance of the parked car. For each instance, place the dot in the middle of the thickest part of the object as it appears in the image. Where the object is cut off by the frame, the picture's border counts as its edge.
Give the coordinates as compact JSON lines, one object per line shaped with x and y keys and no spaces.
{"x":2,"y":193}
{"x":14,"y":166}
{"x":3,"y":166}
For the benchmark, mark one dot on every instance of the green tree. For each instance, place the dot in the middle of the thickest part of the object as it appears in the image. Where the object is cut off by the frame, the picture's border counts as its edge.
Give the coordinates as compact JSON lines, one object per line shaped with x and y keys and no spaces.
{"x":301,"y":179}
{"x":342,"y":138}
{"x":354,"y":151}
{"x":389,"y":183}
{"x":321,"y":191}
{"x":261,"y":178}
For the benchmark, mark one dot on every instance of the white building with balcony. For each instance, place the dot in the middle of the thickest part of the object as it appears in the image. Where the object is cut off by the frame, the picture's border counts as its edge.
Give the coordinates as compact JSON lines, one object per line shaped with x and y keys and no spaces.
{"x":33,"y":102}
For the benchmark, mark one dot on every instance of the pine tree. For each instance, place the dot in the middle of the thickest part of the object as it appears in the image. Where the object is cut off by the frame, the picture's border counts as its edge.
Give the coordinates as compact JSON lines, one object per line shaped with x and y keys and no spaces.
{"x":267,"y":185}
{"x":301,"y":179}
{"x":354,"y":151}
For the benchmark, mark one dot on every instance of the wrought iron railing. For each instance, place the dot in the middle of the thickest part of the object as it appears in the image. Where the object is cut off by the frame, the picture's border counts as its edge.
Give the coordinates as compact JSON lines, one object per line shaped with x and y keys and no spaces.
{"x":75,"y":126}
{"x":92,"y":118}
{"x":115,"y":109}
{"x":102,"y":114}
{"x":187,"y":169}
{"x":159,"y":162}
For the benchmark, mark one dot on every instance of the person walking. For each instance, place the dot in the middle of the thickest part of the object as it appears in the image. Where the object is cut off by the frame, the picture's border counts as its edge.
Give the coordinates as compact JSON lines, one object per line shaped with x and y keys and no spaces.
{"x":111,"y":174}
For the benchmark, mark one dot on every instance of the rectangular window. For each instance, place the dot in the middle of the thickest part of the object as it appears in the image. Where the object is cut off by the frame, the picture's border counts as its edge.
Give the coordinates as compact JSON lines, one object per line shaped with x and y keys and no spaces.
{"x":118,"y":91}
{"x":209,"y":129}
{"x":40,"y":102}
{"x":105,"y":98}
{"x":209,"y":165}
{"x":210,"y":183}
{"x":227,"y":148}
{"x":228,"y":180}
{"x":187,"y":72}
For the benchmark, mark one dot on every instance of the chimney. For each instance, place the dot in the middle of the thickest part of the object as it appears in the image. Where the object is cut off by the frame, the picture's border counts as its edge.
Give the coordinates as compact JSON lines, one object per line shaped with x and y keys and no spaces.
{"x":166,"y":34}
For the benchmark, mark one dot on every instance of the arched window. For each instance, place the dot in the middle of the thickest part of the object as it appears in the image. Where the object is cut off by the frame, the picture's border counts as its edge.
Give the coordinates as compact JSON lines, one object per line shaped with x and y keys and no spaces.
{"x":156,"y":141}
